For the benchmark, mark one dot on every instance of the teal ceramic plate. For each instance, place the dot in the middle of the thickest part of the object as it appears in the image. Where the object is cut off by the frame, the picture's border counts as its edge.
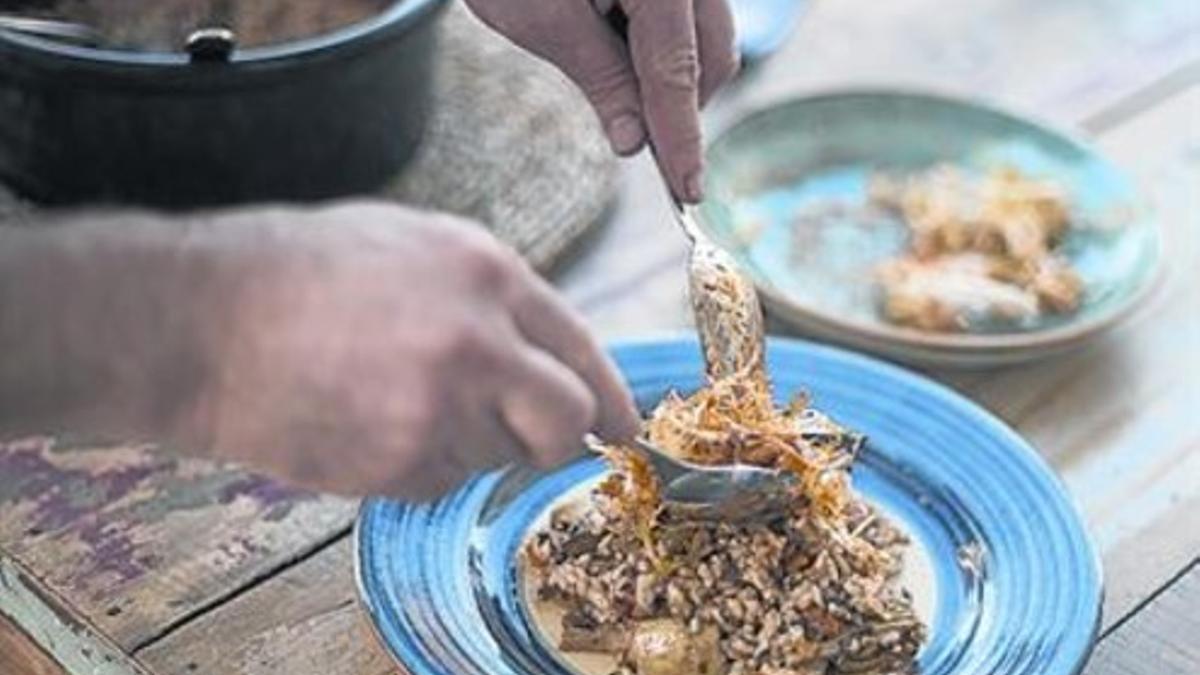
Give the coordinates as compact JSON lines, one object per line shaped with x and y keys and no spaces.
{"x":443,"y":591}
{"x":763,"y":26}
{"x":786,"y":187}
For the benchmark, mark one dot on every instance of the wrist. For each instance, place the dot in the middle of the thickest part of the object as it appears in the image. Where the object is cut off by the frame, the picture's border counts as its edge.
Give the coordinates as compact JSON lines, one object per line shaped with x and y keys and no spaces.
{"x":107,"y":324}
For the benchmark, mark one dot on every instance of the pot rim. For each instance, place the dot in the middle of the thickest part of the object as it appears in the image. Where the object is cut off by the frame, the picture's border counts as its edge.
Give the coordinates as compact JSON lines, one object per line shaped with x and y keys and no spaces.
{"x":400,"y":15}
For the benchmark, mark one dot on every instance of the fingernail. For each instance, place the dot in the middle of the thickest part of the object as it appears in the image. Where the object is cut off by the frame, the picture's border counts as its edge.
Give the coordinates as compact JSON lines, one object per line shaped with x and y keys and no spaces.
{"x":693,"y":187}
{"x":626,"y":134}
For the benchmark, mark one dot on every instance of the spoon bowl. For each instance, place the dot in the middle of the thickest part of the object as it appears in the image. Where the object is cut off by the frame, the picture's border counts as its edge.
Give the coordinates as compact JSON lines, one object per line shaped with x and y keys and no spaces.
{"x":726,"y":492}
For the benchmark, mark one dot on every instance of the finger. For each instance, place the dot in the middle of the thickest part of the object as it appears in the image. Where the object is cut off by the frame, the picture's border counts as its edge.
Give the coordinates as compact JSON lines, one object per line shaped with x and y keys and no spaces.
{"x":433,"y":479}
{"x":716,"y":40}
{"x":578,"y":40}
{"x":662,"y":43}
{"x":548,"y":407}
{"x":492,"y":445}
{"x":548,"y":322}
{"x":450,"y":461}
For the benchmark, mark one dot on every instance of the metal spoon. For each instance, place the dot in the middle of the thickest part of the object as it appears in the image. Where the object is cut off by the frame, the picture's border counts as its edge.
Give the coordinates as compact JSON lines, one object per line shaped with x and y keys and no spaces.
{"x":729,"y":321}
{"x":729,"y":318}
{"x":730,"y":493}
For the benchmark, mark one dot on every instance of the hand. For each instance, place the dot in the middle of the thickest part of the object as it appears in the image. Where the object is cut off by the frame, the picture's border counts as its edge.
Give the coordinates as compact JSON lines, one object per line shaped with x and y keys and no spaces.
{"x":678,"y":53}
{"x":371,"y":349}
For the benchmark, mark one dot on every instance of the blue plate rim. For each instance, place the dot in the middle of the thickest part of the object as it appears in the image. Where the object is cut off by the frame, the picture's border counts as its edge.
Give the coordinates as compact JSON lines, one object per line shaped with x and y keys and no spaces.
{"x":1049,"y":338}
{"x":911,"y":377}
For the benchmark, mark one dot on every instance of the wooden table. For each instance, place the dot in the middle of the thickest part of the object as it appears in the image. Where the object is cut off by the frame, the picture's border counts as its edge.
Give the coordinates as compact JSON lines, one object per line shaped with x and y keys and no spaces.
{"x":116,"y":560}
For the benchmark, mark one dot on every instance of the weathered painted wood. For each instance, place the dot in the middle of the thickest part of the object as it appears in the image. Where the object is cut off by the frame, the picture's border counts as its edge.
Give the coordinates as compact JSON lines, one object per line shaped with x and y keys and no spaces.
{"x":56,"y":626}
{"x":1163,"y":638}
{"x":20,"y":655}
{"x":135,"y":541}
{"x":304,"y":620}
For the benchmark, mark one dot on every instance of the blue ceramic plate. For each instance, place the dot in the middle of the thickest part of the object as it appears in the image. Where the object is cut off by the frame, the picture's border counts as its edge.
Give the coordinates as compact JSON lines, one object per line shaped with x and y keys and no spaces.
{"x":787,"y":185}
{"x":441,"y":586}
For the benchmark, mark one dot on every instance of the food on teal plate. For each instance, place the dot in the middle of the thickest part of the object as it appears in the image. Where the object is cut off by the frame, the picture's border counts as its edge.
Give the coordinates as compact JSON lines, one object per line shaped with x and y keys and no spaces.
{"x":981,"y":248}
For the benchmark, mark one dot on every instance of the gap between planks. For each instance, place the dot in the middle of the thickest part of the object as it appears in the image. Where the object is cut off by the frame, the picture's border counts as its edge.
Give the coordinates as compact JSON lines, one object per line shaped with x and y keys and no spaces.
{"x":1142,"y":99}
{"x":220,"y":601}
{"x":1145,"y":604}
{"x":305,"y":619}
{"x":20,"y":654}
{"x":1160,"y":639}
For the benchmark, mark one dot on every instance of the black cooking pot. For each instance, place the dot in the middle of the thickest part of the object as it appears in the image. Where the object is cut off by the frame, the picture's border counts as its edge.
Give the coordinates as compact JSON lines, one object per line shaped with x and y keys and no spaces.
{"x":333,"y":115}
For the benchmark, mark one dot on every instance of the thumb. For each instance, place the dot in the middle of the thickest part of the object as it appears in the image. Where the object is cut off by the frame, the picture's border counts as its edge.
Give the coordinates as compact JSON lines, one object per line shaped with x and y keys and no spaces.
{"x":586,"y":48}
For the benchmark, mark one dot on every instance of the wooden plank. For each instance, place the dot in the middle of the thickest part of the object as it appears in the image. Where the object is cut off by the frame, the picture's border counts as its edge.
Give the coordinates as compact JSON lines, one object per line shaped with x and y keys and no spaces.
{"x":1163,"y":638}
{"x":134,"y":540}
{"x":1117,"y":418}
{"x":1064,"y":59}
{"x":54,"y":625}
{"x":20,"y":655}
{"x":304,"y":620}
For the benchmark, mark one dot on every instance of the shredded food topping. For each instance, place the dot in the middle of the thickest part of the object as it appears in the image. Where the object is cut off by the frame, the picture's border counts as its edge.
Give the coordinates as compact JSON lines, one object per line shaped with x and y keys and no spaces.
{"x":809,"y":591}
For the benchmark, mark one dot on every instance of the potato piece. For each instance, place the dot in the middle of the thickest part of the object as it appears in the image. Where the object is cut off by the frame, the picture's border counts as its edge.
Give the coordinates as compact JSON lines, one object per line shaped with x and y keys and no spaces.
{"x":664,"y":647}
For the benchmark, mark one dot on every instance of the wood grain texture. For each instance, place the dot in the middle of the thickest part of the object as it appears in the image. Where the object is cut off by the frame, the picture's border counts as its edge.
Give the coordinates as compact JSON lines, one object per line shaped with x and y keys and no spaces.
{"x":1161,"y":639}
{"x":20,"y":655}
{"x":305,"y":620}
{"x":1063,"y":59}
{"x":1118,"y":418}
{"x":135,"y":540}
{"x":57,"y":627}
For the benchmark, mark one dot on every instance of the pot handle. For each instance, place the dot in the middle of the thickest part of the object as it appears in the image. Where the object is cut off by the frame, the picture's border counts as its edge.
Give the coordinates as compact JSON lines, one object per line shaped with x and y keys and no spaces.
{"x":211,"y":45}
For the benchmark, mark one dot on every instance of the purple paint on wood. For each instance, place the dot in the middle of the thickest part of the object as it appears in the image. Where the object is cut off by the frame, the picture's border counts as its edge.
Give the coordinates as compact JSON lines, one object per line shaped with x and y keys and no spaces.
{"x":86,"y":507}
{"x":61,"y":496}
{"x":278,"y":498}
{"x":110,"y":552}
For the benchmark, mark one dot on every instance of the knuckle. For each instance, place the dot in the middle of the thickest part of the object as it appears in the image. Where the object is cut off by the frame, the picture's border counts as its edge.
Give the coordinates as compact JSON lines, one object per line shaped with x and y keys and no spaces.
{"x":485,"y":263}
{"x":462,"y":340}
{"x":469,"y":344}
{"x":676,"y":67}
{"x":610,"y":86}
